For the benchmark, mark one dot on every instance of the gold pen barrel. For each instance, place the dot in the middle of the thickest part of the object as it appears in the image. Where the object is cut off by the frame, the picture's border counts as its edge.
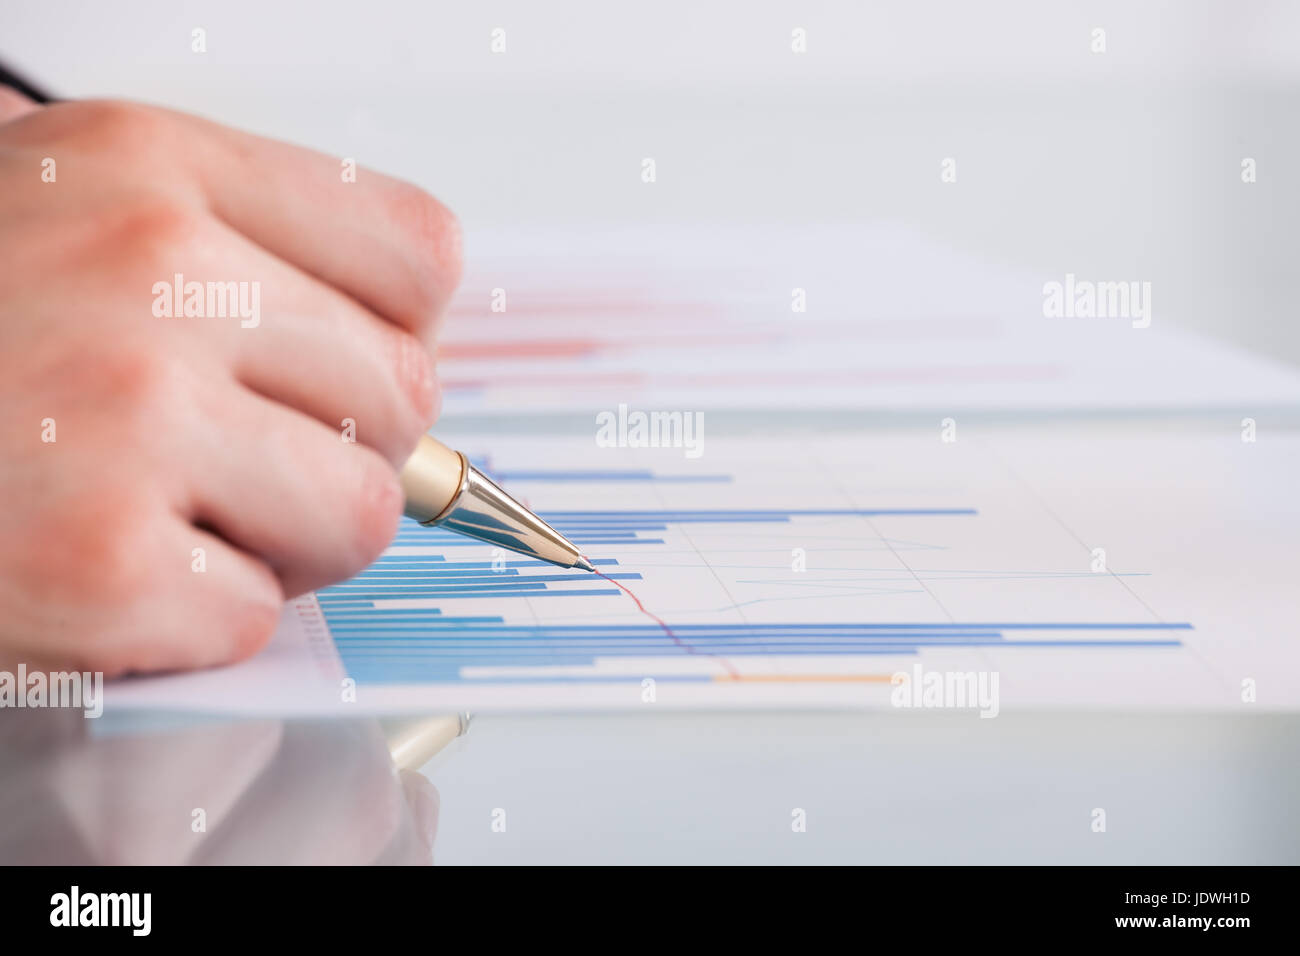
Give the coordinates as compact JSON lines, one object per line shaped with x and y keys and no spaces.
{"x":431,"y":479}
{"x":413,"y":742}
{"x":443,"y":489}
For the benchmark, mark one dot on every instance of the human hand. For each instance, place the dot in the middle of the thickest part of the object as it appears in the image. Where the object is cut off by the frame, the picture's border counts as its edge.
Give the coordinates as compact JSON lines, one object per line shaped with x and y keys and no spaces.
{"x":166,"y":481}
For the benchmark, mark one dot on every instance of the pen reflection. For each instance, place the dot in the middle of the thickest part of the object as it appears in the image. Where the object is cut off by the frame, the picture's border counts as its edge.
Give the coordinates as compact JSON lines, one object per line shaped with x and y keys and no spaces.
{"x":251,"y":792}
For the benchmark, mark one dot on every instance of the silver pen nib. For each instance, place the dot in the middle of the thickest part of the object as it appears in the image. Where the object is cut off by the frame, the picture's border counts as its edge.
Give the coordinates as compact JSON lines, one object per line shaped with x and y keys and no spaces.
{"x":482,"y":510}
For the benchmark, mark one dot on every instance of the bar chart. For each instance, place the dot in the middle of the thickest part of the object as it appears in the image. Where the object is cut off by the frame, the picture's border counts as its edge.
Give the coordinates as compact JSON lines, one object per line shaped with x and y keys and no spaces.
{"x":811,"y":578}
{"x":399,"y":621}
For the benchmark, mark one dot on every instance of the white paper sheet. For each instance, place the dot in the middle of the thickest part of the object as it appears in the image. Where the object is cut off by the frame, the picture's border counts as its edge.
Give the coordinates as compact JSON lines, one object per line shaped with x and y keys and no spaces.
{"x":667,"y":318}
{"x":1085,"y":568}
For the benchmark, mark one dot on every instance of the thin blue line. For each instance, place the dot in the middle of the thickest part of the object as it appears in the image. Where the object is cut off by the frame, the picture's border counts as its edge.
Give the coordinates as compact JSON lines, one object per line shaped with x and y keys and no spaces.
{"x":472,"y":543}
{"x":414,"y":632}
{"x":485,"y":565}
{"x":534,"y":580}
{"x":450,"y":677}
{"x":575,"y":592}
{"x":617,"y":650}
{"x":502,"y":476}
{"x":784,"y":513}
{"x":398,"y":590}
{"x":684,"y":629}
{"x":444,"y":623}
{"x":393,"y":573}
{"x":441,"y":636}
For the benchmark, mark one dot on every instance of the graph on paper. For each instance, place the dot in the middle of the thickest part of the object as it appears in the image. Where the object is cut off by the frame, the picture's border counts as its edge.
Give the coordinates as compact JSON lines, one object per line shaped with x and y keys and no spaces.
{"x":808,"y":579}
{"x":397,"y":621}
{"x":704,"y":588}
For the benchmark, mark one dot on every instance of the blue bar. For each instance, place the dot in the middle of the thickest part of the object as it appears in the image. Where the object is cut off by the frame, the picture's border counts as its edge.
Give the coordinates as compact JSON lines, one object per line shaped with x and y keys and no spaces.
{"x":441,"y":622}
{"x":746,"y":650}
{"x":487,"y":565}
{"x":451,"y":675}
{"x":781,"y":513}
{"x":532,"y":580}
{"x":430,"y":590}
{"x":453,"y":574}
{"x":646,"y":648}
{"x":573,"y":592}
{"x":495,"y":638}
{"x":690,"y":629}
{"x":472,"y":543}
{"x":502,"y":476}
{"x":469,"y":658}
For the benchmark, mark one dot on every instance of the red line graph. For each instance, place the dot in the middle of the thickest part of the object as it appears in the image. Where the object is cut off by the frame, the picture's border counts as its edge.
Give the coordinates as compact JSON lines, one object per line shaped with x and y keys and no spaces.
{"x":731,"y":670}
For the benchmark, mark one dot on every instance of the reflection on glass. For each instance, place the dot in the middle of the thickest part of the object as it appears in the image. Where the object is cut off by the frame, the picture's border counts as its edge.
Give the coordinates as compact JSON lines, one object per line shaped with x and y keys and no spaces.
{"x":254,"y":792}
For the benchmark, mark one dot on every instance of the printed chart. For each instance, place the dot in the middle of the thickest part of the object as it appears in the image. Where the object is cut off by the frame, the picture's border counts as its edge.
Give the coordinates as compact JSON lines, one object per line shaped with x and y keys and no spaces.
{"x":811,"y":580}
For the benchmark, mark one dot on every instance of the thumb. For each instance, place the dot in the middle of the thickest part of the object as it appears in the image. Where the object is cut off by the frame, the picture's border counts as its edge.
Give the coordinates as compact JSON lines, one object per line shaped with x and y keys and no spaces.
{"x":13,"y":104}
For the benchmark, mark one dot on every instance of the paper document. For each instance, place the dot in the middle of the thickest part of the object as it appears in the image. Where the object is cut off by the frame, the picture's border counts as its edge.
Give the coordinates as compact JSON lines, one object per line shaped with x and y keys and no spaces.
{"x":873,"y":318}
{"x":1082,"y":568}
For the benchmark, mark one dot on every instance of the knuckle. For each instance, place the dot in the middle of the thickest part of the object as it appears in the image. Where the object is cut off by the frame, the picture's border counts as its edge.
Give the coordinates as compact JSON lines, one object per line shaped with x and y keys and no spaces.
{"x":105,"y":563}
{"x":141,"y":135}
{"x":154,"y":234}
{"x":149,"y":386}
{"x":119,"y":126}
{"x":116,"y":554}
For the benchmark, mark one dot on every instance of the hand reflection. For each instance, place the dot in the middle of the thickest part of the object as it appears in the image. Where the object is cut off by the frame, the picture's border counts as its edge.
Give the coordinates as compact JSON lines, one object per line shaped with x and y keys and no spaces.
{"x":269,"y":792}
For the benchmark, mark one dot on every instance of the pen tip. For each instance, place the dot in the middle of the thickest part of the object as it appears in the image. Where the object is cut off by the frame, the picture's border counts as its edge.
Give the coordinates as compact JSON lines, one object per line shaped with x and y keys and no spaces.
{"x":584,"y":564}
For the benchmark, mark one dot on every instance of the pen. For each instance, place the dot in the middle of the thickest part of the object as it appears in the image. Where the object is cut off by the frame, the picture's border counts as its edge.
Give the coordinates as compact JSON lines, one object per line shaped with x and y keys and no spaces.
{"x":414,"y":742}
{"x":444,"y":490}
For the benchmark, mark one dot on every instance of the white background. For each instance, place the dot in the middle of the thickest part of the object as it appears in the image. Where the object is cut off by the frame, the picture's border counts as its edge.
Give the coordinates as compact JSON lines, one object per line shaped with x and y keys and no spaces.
{"x":1124,"y":165}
